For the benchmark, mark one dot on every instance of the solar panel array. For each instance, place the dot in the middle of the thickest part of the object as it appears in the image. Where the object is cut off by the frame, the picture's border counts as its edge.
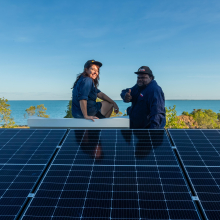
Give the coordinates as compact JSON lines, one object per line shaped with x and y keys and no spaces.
{"x":113,"y":174}
{"x":109,"y":174}
{"x":199,"y":151}
{"x":24,"y":153}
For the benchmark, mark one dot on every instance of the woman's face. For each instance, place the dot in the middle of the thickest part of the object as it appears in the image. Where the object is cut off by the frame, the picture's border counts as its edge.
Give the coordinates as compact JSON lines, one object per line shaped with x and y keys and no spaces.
{"x":93,"y":71}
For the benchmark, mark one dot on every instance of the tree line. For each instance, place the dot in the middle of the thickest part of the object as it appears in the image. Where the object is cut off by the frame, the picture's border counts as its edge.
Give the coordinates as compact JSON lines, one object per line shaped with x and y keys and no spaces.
{"x":197,"y":119}
{"x":7,"y":121}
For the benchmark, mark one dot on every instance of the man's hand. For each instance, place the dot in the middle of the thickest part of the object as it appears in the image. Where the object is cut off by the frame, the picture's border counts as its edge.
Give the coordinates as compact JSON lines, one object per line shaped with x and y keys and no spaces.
{"x":91,"y":118}
{"x":116,"y":108}
{"x":128,"y":96}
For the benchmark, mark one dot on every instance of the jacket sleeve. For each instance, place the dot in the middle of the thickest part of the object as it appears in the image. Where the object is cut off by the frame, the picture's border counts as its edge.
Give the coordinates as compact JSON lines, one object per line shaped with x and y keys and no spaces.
{"x":155,"y":121}
{"x":85,"y":88}
{"x":157,"y":110}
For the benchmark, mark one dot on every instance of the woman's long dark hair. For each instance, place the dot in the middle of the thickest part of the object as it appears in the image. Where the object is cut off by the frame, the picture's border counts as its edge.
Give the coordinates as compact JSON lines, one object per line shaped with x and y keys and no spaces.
{"x":84,"y":73}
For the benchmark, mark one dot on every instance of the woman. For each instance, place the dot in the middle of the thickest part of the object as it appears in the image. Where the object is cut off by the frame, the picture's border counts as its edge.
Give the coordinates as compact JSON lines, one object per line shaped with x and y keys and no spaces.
{"x":85,"y":92}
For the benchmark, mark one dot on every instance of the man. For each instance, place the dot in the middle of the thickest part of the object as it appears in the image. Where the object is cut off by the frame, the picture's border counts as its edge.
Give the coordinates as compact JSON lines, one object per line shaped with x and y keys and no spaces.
{"x":147,"y":109}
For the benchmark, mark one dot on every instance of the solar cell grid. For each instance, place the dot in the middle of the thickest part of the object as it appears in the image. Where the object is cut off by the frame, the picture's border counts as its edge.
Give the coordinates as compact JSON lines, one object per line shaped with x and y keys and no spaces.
{"x":28,"y":146}
{"x":21,"y":164}
{"x":202,"y":162}
{"x":113,"y":190}
{"x":197,"y":148}
{"x":113,"y":174}
{"x":16,"y":182}
{"x":6,"y":135}
{"x":146,"y":146}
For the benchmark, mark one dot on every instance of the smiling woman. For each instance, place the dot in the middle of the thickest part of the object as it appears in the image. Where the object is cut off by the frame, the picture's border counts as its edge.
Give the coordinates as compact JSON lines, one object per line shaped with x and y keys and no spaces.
{"x":85,"y":92}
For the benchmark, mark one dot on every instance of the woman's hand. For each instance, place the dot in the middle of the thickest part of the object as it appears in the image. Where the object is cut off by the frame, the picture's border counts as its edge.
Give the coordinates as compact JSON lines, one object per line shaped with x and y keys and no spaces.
{"x":116,"y":108}
{"x":91,"y":118}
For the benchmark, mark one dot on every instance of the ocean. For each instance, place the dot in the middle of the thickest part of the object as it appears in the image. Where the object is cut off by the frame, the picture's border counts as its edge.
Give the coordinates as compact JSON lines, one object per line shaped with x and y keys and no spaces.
{"x":57,"y":108}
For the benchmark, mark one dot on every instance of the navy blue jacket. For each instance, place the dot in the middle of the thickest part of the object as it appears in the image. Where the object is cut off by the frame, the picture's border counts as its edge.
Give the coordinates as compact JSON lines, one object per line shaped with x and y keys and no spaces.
{"x":148,"y":106}
{"x":85,"y":89}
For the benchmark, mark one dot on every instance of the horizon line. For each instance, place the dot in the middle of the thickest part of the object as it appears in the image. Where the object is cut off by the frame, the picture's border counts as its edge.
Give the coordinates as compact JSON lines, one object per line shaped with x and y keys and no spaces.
{"x":114,"y":100}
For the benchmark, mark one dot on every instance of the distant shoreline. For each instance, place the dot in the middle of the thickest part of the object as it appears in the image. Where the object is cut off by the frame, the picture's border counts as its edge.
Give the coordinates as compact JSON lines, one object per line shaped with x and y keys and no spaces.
{"x":57,"y":109}
{"x":121,"y":100}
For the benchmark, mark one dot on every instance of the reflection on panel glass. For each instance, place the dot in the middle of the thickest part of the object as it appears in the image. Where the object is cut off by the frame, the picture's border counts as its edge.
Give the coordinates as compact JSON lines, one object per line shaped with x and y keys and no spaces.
{"x":91,"y":145}
{"x":116,"y":147}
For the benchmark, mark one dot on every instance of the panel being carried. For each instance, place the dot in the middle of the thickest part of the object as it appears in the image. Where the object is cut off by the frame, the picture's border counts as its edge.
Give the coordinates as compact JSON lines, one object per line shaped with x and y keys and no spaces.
{"x":20,"y":153}
{"x":113,"y":174}
{"x":199,"y":151}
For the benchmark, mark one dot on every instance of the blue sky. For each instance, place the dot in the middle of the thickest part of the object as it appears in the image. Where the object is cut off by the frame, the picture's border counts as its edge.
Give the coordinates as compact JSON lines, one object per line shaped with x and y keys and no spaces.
{"x":44,"y":45}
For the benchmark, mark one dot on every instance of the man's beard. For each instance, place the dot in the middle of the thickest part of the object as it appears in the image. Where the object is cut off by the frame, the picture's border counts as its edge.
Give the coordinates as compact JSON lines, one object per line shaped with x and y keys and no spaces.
{"x":141,"y":87}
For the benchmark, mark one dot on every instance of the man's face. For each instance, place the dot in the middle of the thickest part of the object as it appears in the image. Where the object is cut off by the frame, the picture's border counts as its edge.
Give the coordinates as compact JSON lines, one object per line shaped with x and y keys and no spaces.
{"x":143,"y":79}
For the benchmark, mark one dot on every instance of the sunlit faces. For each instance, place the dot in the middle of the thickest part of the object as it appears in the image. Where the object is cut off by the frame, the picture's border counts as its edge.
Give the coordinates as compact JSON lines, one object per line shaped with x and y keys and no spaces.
{"x":93,"y":71}
{"x":143,"y":79}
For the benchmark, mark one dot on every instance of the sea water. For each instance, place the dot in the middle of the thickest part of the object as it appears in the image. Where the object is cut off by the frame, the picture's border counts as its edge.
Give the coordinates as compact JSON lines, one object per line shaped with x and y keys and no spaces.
{"x":57,"y":108}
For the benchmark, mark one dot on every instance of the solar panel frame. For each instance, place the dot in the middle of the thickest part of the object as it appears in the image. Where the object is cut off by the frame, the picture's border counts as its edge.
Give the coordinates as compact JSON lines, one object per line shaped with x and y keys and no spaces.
{"x":64,"y":178}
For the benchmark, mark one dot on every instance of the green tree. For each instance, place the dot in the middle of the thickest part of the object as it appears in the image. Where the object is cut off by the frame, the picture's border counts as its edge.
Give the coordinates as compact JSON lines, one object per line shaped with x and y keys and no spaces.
{"x":206,"y":118}
{"x":31,"y":110}
{"x":40,"y":111}
{"x":69,"y":110}
{"x":218,"y":116}
{"x":172,"y":120}
{"x":5,"y":114}
{"x":185,"y":113}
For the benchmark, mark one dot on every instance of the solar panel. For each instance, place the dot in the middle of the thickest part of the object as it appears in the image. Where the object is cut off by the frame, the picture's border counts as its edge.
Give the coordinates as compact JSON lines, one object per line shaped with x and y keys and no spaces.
{"x":113,"y":174}
{"x":16,"y":182}
{"x":27,"y":146}
{"x":22,"y":161}
{"x":199,"y":151}
{"x":2,"y":130}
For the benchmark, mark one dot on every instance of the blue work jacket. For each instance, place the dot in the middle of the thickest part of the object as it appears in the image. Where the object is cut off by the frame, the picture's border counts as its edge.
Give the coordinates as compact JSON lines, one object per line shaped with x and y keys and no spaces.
{"x":85,"y":90}
{"x":148,"y":106}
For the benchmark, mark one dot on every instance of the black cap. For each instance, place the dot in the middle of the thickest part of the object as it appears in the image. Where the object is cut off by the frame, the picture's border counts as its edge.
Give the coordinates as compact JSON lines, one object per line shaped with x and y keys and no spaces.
{"x":87,"y":64}
{"x":144,"y":70}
